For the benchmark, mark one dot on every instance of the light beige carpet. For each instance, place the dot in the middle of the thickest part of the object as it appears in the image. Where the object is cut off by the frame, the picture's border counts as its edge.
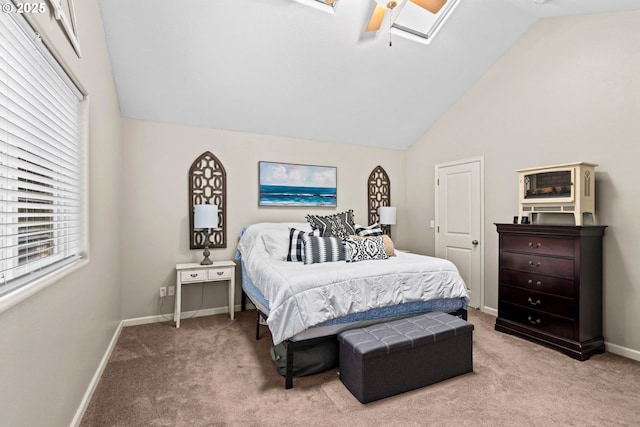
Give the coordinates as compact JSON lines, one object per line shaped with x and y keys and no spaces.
{"x":212,"y":372}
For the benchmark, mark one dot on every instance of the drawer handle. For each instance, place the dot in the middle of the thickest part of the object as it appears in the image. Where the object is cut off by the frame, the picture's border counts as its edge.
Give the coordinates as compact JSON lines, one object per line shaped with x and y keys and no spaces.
{"x":534,"y":264}
{"x":194,"y":275}
{"x":219,"y":273}
{"x":538,"y":283}
{"x":534,"y":245}
{"x":533,"y":322}
{"x":536,"y":302}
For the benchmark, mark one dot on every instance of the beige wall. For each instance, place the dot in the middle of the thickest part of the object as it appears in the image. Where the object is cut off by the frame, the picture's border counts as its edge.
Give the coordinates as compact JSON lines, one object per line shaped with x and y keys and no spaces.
{"x":567,"y":91}
{"x":52,"y":342}
{"x":157,"y":158}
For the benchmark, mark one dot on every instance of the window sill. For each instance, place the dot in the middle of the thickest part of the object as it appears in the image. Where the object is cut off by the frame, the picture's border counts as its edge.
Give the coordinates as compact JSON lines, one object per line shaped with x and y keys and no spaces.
{"x":19,"y":295}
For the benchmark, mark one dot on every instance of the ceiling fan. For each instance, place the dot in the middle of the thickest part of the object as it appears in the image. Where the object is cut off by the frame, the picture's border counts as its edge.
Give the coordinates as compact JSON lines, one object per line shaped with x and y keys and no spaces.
{"x":375,"y":22}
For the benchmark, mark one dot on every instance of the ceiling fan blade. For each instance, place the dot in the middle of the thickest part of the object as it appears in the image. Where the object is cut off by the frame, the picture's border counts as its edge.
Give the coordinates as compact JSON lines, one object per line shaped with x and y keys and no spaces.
{"x":376,"y":18}
{"x":432,"y":6}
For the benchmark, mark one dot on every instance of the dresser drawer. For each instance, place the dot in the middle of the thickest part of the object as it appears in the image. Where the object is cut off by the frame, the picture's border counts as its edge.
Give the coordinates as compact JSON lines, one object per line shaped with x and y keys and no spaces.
{"x":193,"y":276}
{"x":537,"y":320}
{"x":219,"y":273}
{"x":536,"y":282}
{"x":538,"y":245}
{"x":553,"y":304}
{"x":538,"y":264}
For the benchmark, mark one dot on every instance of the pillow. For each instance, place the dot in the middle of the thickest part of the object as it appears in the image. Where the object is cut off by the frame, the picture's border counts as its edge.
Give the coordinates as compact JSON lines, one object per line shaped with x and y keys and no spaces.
{"x":322,"y":249}
{"x":296,"y":244}
{"x":364,"y":248}
{"x":338,"y":225}
{"x":389,"y":247}
{"x":276,"y":243}
{"x":372,"y":230}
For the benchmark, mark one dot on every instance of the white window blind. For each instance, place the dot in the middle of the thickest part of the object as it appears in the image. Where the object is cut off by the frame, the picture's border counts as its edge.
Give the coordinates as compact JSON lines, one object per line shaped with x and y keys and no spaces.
{"x":40,"y":159}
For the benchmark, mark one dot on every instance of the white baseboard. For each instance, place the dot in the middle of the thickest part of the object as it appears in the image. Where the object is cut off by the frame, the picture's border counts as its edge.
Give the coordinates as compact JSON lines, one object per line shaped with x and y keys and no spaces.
{"x":96,"y":378}
{"x":492,"y":311}
{"x":183,"y":315}
{"x":622,"y":351}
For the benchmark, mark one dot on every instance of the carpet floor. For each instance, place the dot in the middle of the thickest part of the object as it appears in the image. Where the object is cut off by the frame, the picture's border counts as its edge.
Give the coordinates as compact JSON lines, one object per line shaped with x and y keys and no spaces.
{"x":212,"y":372}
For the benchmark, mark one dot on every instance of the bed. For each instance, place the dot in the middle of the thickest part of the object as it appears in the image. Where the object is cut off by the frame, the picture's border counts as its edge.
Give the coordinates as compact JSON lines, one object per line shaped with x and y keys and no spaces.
{"x":305,"y":303}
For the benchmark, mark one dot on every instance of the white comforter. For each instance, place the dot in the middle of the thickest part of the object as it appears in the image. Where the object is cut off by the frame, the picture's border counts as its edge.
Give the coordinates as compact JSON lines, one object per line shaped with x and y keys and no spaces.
{"x":301,"y":296}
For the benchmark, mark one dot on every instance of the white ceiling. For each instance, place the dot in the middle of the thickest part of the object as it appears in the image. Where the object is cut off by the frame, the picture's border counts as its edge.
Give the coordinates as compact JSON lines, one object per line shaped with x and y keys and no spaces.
{"x":279,"y":67}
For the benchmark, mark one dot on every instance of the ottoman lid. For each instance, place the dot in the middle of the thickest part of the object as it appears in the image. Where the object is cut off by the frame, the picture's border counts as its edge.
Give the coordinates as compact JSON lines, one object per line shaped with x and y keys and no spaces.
{"x":410,"y":332}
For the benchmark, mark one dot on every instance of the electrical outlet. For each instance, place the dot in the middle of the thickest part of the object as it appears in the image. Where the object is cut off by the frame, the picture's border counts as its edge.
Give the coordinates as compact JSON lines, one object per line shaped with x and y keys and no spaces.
{"x":172,"y":291}
{"x":163,"y":292}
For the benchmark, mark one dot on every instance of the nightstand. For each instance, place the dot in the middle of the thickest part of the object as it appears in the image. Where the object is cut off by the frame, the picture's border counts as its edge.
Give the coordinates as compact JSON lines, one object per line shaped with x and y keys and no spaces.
{"x":196,"y":273}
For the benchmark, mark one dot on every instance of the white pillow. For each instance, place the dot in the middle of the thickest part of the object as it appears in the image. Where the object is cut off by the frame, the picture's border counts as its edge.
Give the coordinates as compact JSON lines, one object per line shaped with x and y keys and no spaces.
{"x":277,"y":243}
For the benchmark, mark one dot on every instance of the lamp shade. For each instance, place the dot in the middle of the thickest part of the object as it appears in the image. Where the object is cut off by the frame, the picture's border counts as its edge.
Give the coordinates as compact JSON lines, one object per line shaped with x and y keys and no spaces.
{"x":205,"y":216}
{"x":387,"y":215}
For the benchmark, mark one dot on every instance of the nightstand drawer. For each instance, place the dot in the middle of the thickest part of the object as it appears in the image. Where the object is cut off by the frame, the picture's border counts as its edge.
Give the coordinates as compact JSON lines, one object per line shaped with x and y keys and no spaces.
{"x":220,"y":273}
{"x":193,"y":276}
{"x":538,"y":245}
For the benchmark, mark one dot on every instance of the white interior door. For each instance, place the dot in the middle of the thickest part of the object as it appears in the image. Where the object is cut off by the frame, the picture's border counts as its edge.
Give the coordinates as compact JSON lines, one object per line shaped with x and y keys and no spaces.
{"x":459,"y":219}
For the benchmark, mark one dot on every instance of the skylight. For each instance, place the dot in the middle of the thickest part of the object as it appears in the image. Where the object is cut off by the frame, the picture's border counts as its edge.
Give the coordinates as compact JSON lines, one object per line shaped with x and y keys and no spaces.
{"x":318,"y":4}
{"x":409,"y":19}
{"x":419,"y":22}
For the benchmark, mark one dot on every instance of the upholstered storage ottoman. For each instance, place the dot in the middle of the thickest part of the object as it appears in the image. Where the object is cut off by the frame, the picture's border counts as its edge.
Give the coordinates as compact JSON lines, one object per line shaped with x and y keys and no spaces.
{"x":389,"y":358}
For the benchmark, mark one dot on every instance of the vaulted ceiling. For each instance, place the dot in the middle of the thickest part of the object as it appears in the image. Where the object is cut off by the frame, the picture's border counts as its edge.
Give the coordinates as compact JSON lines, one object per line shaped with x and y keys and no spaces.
{"x":281,"y":67}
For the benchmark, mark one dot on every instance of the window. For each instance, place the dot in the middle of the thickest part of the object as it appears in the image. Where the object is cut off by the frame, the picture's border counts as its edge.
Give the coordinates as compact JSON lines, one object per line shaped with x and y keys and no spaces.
{"x":41,"y":161}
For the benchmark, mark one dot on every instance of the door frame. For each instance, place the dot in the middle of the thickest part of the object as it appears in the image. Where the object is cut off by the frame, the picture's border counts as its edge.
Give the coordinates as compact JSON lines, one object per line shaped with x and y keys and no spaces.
{"x":437,"y":167}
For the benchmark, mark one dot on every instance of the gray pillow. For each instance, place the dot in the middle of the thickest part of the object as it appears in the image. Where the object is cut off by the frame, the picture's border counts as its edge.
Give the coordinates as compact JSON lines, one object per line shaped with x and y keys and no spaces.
{"x":339,"y":225}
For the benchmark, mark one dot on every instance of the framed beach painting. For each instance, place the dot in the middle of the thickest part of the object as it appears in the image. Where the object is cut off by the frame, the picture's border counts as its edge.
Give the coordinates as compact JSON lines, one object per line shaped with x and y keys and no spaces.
{"x":287,"y":184}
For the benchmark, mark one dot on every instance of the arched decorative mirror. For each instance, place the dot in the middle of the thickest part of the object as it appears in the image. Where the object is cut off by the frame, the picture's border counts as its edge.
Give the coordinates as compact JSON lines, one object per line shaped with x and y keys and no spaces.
{"x":378,"y":194}
{"x":208,"y":186}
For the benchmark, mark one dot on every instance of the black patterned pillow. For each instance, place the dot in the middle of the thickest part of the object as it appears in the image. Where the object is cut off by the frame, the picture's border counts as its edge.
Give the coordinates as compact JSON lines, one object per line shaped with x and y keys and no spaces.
{"x":339,"y":225}
{"x":322,"y":249}
{"x":364,"y":248}
{"x":370,"y":231}
{"x":296,"y":244}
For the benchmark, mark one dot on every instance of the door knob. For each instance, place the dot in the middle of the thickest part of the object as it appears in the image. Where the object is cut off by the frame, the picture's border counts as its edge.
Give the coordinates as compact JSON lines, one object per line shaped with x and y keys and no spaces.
{"x":474,"y":243}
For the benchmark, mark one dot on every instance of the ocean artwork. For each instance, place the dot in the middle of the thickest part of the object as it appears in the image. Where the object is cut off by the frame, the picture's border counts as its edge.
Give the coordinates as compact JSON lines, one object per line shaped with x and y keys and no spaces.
{"x":286,"y":184}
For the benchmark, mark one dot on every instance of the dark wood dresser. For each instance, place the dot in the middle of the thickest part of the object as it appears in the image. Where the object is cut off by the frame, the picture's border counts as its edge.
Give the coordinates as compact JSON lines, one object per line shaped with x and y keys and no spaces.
{"x":550,"y":286}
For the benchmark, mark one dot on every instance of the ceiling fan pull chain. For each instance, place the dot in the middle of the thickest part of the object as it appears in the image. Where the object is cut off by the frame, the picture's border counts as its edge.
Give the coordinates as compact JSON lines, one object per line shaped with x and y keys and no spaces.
{"x":390,"y":24}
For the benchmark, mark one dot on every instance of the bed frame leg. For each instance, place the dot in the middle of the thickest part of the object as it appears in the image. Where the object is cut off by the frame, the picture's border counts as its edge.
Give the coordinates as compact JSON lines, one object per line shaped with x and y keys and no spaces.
{"x":288,"y":383}
{"x":461,"y":313}
{"x":260,"y":316}
{"x":258,"y":326}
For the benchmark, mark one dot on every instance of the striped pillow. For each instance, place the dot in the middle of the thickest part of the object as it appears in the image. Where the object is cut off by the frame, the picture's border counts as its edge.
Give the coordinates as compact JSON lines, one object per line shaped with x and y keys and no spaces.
{"x":372,"y":230}
{"x":296,"y":244}
{"x":322,"y":249}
